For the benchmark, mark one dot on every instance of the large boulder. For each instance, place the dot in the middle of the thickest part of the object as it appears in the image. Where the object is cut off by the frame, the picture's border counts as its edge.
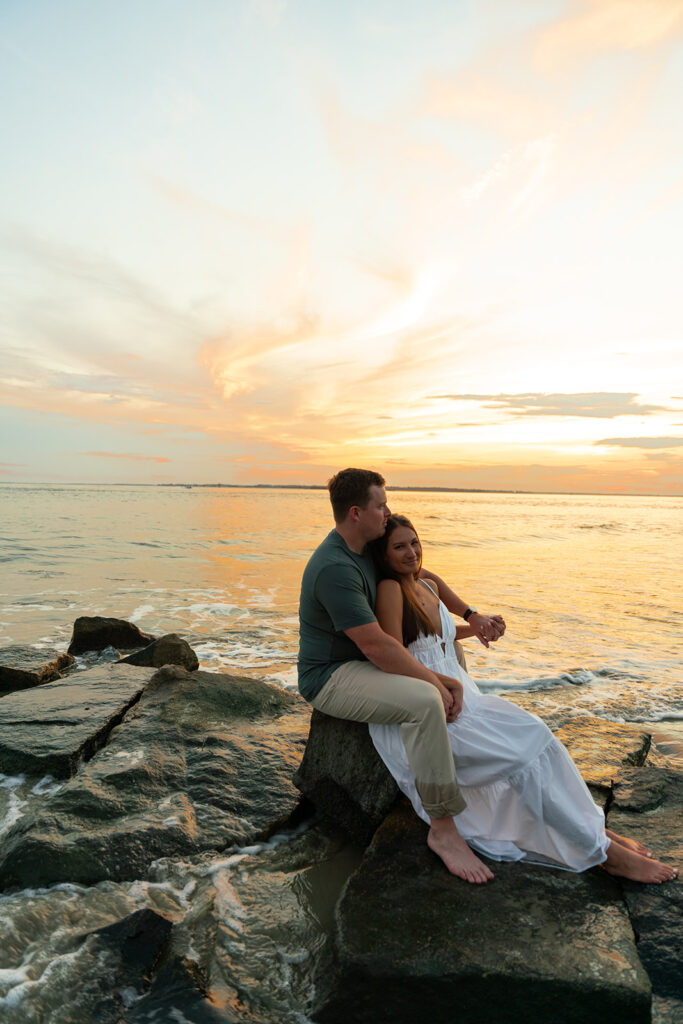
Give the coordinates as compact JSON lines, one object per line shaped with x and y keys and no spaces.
{"x":71,"y":720}
{"x":344,"y":777}
{"x":203,"y":761}
{"x":167,"y":650}
{"x":95,"y":632}
{"x":24,"y":667}
{"x":410,"y":942}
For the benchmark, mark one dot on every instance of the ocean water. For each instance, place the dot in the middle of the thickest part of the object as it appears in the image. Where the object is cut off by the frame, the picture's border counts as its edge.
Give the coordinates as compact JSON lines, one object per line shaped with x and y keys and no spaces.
{"x":590,"y":586}
{"x":590,"y":590}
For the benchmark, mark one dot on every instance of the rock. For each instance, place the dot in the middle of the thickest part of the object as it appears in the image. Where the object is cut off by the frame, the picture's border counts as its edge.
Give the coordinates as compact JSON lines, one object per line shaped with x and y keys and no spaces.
{"x":69,"y":723}
{"x":411,"y":942}
{"x":139,"y":939}
{"x":344,"y":777}
{"x":202,"y":761}
{"x":94,"y":633}
{"x":25,"y":667}
{"x":167,"y":650}
{"x":115,"y":964}
{"x":648,"y":806}
{"x":179,"y":993}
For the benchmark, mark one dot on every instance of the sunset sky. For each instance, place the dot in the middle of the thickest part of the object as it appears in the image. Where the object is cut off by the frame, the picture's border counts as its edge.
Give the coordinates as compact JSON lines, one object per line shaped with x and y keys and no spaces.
{"x":258,"y":240}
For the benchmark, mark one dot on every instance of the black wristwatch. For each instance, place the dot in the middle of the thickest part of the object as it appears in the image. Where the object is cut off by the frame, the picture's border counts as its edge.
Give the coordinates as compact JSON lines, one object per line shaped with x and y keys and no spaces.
{"x":470,"y":611}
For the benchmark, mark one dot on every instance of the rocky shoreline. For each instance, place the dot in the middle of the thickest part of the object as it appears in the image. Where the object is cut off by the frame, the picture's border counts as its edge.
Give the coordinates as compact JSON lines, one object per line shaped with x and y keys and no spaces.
{"x":160,"y":760}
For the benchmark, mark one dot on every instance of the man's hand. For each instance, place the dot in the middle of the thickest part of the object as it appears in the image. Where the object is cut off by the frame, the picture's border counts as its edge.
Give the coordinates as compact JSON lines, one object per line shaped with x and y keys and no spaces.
{"x":487,"y":628}
{"x":453,"y":688}
{"x":447,"y":698}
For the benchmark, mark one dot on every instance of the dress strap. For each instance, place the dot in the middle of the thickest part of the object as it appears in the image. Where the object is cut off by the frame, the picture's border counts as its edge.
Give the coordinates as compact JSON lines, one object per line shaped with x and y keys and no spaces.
{"x":429,"y":586}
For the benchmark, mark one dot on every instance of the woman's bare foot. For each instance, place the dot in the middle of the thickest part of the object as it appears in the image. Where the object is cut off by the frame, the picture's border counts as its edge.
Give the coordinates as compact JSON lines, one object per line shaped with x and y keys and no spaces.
{"x":625,"y":863}
{"x":631,"y":844}
{"x":446,"y":842}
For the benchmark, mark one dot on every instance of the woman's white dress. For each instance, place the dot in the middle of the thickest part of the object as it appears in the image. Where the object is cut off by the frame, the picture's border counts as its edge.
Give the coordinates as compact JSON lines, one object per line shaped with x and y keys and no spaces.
{"x":525,"y":797}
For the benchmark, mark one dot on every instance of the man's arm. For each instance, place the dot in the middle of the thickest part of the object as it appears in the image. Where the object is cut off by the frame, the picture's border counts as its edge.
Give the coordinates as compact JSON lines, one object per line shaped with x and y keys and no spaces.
{"x":485,"y":627}
{"x":389,"y":655}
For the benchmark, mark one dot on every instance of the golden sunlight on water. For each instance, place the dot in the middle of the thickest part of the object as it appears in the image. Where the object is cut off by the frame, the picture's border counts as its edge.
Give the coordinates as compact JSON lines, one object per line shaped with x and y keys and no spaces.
{"x":583,"y":581}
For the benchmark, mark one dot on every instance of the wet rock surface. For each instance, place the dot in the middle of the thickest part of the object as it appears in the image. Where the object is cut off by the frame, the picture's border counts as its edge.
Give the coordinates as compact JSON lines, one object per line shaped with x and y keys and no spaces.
{"x":181,"y":985}
{"x":202,"y":761}
{"x":22,"y":668}
{"x":69,"y":721}
{"x":138,"y":940}
{"x":597,"y":917}
{"x":410,"y":942}
{"x":95,"y":632}
{"x":167,"y":650}
{"x":344,"y":777}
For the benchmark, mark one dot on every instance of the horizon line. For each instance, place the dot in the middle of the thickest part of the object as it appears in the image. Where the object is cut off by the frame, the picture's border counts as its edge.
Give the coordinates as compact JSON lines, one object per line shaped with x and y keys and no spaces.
{"x":323,"y":487}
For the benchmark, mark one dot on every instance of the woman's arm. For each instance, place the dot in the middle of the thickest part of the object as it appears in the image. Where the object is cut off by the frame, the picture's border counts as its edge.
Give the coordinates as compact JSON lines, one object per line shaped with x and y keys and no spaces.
{"x":389,"y":608}
{"x":485,"y":627}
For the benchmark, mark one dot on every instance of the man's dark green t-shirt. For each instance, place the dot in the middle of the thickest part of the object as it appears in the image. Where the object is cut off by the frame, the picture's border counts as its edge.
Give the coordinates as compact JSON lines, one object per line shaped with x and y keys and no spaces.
{"x":338,"y":592}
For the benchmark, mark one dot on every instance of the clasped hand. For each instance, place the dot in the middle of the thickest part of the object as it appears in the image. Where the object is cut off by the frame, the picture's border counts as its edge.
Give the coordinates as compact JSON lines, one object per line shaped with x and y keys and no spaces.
{"x":487,"y":628}
{"x":451,"y":695}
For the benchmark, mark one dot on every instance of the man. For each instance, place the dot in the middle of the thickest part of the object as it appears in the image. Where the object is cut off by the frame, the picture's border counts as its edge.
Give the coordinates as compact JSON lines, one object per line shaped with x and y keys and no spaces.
{"x":350,"y":668}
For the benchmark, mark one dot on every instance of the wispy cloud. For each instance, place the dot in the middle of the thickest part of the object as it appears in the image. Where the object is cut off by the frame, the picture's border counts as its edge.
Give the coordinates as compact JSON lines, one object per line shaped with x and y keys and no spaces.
{"x":595,"y":404}
{"x":605,"y":26}
{"x":127,"y":455}
{"x":641,"y":442}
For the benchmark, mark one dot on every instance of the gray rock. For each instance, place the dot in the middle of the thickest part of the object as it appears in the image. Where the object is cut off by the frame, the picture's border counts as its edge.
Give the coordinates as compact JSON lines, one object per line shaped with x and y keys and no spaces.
{"x":115,"y":962}
{"x":140,"y":939}
{"x":648,"y":806}
{"x":411,"y":942}
{"x":95,"y":632}
{"x":52,"y":733}
{"x":344,"y":777}
{"x":24,"y":667}
{"x":202,"y":761}
{"x":180,"y":988}
{"x":167,"y":650}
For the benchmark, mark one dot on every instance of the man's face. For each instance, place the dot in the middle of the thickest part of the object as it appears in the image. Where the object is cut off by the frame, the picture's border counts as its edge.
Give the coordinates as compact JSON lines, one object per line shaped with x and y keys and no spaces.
{"x":373,"y":518}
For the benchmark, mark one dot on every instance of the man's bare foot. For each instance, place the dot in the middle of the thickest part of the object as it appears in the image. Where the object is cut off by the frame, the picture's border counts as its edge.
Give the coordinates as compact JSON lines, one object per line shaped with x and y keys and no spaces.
{"x":625,"y":863}
{"x":446,"y":842}
{"x":631,"y":844}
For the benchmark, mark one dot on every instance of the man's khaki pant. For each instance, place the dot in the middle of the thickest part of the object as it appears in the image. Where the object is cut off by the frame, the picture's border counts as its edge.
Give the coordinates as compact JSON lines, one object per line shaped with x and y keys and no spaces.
{"x":361,"y":692}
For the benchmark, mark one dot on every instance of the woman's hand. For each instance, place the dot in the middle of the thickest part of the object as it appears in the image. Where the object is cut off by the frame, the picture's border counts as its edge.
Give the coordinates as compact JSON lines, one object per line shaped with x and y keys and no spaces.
{"x":486,"y":628}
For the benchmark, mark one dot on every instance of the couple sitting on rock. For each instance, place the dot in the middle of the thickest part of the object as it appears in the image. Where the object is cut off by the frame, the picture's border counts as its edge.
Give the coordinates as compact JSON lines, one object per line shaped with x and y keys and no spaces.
{"x":384,"y":653}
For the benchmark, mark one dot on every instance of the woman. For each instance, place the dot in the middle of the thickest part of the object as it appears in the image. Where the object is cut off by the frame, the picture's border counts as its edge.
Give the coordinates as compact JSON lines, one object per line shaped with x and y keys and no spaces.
{"x":525,"y":797}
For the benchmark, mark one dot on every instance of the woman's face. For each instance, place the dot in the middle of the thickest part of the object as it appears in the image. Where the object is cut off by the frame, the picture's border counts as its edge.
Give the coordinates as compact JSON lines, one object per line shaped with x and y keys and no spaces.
{"x":403,"y":551}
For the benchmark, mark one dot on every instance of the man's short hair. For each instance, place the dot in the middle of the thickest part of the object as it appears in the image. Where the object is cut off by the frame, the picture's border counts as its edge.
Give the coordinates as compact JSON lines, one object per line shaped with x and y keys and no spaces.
{"x":351,"y":487}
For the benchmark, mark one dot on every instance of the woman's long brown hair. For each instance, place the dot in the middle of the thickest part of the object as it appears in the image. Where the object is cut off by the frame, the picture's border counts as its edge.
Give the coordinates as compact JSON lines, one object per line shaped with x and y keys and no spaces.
{"x":415,"y":622}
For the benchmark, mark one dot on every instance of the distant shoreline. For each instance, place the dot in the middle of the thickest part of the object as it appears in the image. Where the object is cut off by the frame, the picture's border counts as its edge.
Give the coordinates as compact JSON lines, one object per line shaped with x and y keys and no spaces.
{"x":323,"y":487}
